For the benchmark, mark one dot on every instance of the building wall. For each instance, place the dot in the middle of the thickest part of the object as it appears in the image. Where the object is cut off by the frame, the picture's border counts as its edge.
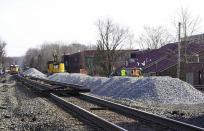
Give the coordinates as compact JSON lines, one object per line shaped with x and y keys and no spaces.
{"x":201,"y":56}
{"x":76,"y":61}
{"x":123,"y":58}
{"x":194,"y":71}
{"x":198,"y":72}
{"x":172,"y":71}
{"x":73,"y":61}
{"x":88,"y":55}
{"x":195,"y":38}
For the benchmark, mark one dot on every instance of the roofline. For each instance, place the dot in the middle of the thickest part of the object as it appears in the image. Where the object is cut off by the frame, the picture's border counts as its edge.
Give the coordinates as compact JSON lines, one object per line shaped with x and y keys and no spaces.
{"x":97,"y":50}
{"x":176,"y":62}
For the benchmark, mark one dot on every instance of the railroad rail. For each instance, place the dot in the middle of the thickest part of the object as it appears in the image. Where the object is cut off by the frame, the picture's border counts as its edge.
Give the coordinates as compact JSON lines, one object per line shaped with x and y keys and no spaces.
{"x":173,"y":124}
{"x":88,"y":115}
{"x":75,"y":87}
{"x":47,"y":86}
{"x":134,"y":113}
{"x":114,"y":116}
{"x":48,"y":89}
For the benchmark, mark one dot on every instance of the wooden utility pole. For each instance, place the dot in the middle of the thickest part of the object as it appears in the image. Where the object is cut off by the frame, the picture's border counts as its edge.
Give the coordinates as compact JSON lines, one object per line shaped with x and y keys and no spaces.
{"x":179,"y":50}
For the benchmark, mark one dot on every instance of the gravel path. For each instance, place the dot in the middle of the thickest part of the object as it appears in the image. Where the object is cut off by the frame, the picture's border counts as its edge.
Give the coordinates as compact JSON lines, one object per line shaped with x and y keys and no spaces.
{"x":20,"y":109}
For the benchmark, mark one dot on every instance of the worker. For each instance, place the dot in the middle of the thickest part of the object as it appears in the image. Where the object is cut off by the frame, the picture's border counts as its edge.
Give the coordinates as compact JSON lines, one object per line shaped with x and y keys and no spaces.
{"x":123,"y":72}
{"x":135,"y":72}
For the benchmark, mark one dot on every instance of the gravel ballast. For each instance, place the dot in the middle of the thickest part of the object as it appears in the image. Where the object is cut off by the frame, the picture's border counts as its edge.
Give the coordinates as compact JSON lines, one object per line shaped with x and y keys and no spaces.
{"x":21,"y":109}
{"x":165,"y":96}
{"x":158,"y":90}
{"x":34,"y":73}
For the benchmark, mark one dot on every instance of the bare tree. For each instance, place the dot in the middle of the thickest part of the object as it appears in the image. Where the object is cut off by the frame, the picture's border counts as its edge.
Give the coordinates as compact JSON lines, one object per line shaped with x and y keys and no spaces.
{"x":30,"y":58}
{"x":111,"y":39}
{"x":2,"y":52}
{"x":189,"y":26}
{"x":14,"y":60}
{"x":154,"y":37}
{"x":38,"y":57}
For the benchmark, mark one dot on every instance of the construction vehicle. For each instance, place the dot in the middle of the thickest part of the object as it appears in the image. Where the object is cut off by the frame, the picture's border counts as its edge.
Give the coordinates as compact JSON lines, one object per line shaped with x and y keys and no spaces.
{"x":13,"y":69}
{"x":54,"y":66}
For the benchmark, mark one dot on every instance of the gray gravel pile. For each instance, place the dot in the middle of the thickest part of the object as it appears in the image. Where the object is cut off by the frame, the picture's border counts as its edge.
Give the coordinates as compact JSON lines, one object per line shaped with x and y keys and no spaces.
{"x":81,"y":79}
{"x":34,"y":73}
{"x":158,"y":90}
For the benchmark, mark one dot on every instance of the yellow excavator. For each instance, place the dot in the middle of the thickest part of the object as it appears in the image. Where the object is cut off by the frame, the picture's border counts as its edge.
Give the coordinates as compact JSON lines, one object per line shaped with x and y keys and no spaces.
{"x":54,"y":66}
{"x":13,"y":69}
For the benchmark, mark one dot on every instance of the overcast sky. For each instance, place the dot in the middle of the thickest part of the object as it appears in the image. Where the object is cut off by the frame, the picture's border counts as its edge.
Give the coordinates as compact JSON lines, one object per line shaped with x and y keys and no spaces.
{"x":29,"y":23}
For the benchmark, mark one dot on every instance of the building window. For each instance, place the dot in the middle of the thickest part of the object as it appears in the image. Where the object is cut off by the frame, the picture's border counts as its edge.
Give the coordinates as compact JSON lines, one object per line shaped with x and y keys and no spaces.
{"x":80,"y":66}
{"x":133,"y":55}
{"x":199,"y":75}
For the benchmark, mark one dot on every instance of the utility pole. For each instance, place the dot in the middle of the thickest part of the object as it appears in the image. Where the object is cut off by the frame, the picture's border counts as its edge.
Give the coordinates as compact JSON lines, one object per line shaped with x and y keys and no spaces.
{"x":179,"y":50}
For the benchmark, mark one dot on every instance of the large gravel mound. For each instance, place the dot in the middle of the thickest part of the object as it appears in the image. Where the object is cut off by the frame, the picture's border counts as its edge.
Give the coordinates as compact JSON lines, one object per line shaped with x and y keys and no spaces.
{"x":159,"y":90}
{"x":34,"y":73}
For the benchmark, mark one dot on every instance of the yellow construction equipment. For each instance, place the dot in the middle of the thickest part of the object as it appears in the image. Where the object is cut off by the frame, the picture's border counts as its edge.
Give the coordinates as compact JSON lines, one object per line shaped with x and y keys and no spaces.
{"x":13,"y":69}
{"x":54,"y":66}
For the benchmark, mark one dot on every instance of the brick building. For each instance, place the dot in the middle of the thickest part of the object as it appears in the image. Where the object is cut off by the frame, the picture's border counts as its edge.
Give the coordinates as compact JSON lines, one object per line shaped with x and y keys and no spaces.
{"x":163,"y":62}
{"x":83,"y":61}
{"x":195,"y":73}
{"x":75,"y":62}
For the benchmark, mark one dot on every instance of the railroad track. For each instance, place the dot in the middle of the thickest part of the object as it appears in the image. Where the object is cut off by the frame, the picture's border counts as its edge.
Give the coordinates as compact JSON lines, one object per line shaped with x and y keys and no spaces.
{"x":48,"y":88}
{"x":134,"y":113}
{"x":112,"y":116}
{"x":99,"y":121}
{"x":124,"y":121}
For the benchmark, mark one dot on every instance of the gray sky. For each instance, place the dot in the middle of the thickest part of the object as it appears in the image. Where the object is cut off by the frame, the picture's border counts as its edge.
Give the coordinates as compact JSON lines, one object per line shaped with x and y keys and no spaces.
{"x":29,"y":23}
